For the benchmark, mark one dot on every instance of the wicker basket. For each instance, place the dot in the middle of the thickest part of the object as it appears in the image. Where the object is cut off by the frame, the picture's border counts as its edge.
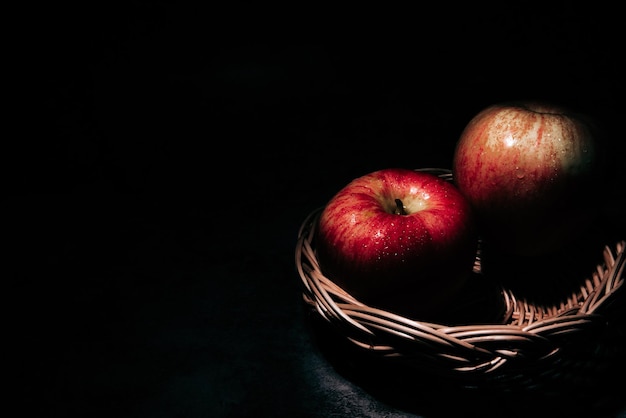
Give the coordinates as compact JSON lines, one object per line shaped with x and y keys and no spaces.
{"x":571,"y":342}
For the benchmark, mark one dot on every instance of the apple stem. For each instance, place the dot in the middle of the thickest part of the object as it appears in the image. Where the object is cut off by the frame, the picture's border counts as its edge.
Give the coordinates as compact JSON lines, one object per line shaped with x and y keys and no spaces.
{"x":399,"y":208}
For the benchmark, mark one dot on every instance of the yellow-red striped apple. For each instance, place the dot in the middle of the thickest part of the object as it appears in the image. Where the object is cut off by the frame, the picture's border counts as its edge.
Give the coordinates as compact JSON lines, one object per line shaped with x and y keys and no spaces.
{"x":529,"y":171}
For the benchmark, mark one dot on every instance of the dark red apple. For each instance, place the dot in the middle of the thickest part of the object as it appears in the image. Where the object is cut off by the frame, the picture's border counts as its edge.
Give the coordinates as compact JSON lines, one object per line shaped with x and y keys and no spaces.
{"x":530,"y":171}
{"x":398,"y":239}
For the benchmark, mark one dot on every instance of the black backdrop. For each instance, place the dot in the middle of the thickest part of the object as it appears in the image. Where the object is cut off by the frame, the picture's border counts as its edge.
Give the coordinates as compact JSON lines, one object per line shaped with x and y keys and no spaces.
{"x":169,"y":153}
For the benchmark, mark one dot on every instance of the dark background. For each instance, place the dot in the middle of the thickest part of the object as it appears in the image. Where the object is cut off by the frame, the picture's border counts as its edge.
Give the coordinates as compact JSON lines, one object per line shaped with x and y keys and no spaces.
{"x":167,"y":153}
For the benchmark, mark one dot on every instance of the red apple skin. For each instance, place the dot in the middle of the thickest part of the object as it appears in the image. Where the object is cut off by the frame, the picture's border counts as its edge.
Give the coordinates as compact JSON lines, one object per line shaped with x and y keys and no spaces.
{"x":411,"y":264}
{"x":529,"y":170}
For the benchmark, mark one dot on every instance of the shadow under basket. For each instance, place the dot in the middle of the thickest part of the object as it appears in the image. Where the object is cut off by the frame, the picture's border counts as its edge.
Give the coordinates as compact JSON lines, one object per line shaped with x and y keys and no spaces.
{"x":575,"y":342}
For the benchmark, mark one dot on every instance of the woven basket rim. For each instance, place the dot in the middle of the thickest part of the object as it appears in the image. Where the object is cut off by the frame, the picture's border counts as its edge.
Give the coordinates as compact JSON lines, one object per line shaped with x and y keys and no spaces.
{"x":530,"y":335}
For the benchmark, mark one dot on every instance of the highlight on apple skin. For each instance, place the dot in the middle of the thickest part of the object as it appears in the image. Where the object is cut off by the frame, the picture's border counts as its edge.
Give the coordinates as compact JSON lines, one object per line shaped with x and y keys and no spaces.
{"x":398,"y":239}
{"x":529,"y":170}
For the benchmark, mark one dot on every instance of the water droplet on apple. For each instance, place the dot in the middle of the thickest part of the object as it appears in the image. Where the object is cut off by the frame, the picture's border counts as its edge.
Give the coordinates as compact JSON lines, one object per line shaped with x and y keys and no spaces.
{"x":519,"y":173}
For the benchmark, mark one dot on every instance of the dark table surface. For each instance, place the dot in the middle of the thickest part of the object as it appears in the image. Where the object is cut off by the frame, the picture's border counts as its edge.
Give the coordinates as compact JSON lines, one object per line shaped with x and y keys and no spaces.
{"x":155,"y":198}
